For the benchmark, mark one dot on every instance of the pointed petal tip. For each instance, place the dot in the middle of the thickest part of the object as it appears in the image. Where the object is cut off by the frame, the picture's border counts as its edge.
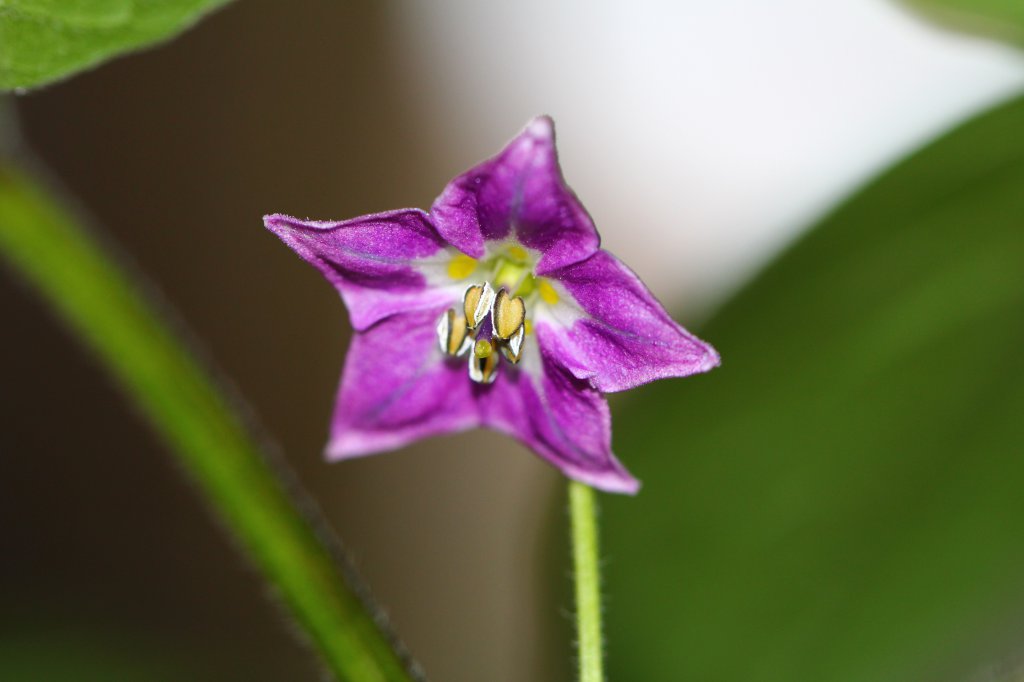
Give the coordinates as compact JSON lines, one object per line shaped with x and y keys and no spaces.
{"x":338,"y":449}
{"x":352,"y":444}
{"x":711,"y":358}
{"x":289,"y":230}
{"x":279,"y":223}
{"x":542,"y":127}
{"x":282,"y":222}
{"x":617,"y":480}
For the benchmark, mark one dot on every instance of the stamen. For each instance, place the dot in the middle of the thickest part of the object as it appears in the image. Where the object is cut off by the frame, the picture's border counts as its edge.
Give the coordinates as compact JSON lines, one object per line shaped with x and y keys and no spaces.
{"x":513,"y":350}
{"x":483,"y":370}
{"x":476,"y":302}
{"x":507,"y":314}
{"x":453,"y":334}
{"x":493,"y":317}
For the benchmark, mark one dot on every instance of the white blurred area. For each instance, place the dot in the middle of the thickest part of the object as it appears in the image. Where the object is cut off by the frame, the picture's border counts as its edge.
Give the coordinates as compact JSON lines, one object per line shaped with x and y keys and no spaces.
{"x":702,"y":136}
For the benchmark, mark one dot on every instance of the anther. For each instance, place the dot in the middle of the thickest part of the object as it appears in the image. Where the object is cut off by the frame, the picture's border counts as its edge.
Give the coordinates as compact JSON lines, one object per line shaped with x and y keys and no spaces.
{"x":453,"y":334}
{"x":513,"y":348}
{"x":476,"y":302}
{"x":507,"y":314}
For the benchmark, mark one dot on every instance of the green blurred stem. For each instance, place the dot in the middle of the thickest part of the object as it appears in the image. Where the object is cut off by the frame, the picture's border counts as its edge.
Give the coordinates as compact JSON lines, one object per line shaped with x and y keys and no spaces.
{"x":106,"y":309}
{"x":583,"y":514}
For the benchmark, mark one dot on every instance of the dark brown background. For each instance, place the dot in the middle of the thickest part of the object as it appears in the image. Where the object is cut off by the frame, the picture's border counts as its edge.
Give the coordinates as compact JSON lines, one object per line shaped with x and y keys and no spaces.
{"x":176,"y":153}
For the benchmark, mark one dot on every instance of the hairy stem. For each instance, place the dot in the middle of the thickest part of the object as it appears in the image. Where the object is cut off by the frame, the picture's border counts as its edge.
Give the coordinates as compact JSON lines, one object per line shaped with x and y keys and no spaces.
{"x":257,"y":501}
{"x":583,"y":513}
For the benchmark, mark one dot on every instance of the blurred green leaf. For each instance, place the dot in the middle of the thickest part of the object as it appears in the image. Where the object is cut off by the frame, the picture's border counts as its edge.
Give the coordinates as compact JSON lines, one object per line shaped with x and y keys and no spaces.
{"x":843,"y":500}
{"x":259,"y":503}
{"x":43,"y":40}
{"x":60,"y":654}
{"x":1002,"y":19}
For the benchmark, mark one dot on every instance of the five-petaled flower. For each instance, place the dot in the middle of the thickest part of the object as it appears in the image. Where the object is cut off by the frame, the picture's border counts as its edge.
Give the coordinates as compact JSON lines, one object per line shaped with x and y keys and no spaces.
{"x":498,"y":308}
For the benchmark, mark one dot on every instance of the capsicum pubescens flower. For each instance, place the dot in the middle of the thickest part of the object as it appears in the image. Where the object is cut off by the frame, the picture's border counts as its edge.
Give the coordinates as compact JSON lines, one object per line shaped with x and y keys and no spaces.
{"x":498,"y":308}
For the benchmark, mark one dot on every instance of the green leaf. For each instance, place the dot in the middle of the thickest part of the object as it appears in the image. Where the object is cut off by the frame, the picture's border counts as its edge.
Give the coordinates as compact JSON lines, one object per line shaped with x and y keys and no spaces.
{"x":44,"y":40}
{"x":843,"y":500}
{"x":258,"y":503}
{"x":1001,"y":19}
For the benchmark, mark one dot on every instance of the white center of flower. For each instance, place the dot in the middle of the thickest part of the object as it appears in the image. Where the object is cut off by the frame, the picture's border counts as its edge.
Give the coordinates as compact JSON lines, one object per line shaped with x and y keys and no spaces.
{"x":493,"y":320}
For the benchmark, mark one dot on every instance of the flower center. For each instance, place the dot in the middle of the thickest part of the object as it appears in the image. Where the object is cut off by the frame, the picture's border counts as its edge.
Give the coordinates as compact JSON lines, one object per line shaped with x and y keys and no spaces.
{"x":493,"y":320}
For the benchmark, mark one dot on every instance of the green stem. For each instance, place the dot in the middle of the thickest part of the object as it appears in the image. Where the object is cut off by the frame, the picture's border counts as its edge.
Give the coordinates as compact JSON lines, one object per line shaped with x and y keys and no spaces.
{"x":105,"y":307}
{"x":583,"y":513}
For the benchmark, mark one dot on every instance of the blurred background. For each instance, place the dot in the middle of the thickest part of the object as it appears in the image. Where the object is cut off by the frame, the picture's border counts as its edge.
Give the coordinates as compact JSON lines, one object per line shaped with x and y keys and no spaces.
{"x":703,"y":138}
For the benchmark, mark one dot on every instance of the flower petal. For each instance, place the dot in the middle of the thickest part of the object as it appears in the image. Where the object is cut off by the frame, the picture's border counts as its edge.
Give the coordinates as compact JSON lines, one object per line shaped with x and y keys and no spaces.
{"x":398,"y":387}
{"x":561,"y":418}
{"x":381,"y":264}
{"x":521,"y":190}
{"x":611,"y":330}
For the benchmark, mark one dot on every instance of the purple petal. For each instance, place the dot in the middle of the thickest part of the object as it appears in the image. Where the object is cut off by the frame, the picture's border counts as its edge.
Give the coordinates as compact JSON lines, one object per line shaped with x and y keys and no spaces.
{"x":377,"y":262}
{"x":397,"y":387}
{"x":561,"y":418}
{"x":624,"y":338}
{"x":521,"y":189}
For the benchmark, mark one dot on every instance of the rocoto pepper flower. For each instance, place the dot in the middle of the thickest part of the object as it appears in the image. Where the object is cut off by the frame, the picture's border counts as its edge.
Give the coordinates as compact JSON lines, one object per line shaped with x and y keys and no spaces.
{"x":498,"y":308}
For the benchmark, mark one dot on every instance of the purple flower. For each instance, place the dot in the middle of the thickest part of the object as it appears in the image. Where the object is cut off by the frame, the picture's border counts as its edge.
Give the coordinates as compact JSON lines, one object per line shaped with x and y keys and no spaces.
{"x":497,"y":308}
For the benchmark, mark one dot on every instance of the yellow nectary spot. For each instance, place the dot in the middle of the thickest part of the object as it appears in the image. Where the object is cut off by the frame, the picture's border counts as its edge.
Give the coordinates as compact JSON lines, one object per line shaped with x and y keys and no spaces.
{"x":527,"y":286}
{"x":518,"y":252}
{"x":547,"y":292}
{"x":528,"y":325}
{"x":461,"y":266}
{"x":509,"y":274}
